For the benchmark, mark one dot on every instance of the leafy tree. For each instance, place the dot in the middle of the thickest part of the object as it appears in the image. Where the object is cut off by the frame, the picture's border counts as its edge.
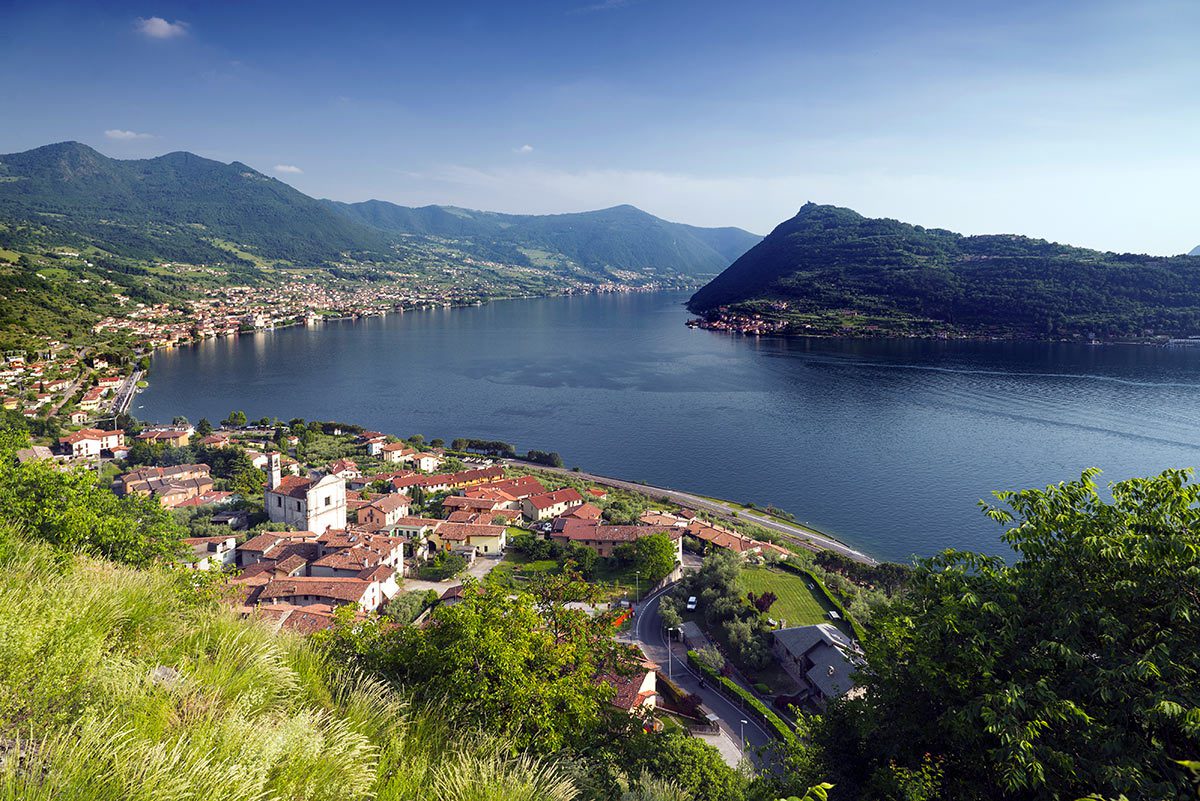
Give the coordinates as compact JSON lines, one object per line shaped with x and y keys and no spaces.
{"x":203,"y":428}
{"x":235,"y":419}
{"x":582,"y":557}
{"x":71,"y":510}
{"x":495,"y":660}
{"x":689,"y":762}
{"x":406,"y":606}
{"x":248,"y":482}
{"x":1073,"y":670}
{"x":655,"y":556}
{"x":763,"y":601}
{"x":444,"y":565}
{"x":670,"y":615}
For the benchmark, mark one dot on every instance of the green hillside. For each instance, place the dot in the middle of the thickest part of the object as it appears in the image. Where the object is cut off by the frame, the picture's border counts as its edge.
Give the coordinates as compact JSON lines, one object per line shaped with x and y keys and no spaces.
{"x":173,"y":207}
{"x":831,"y":270}
{"x":618,"y":238}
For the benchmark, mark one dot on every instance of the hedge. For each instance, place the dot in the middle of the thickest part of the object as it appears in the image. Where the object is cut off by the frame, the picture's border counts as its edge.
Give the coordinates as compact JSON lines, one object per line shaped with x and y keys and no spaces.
{"x":775,"y":723}
{"x":859,"y":632}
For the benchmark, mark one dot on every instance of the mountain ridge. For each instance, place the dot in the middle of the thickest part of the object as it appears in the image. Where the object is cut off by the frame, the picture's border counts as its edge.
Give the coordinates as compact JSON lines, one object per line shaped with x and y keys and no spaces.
{"x":183,"y":207}
{"x":830,"y":270}
{"x":597,"y":239}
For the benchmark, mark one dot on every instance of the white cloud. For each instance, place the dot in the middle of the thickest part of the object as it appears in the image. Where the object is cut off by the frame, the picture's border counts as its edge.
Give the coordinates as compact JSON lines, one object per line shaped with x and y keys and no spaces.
{"x":523,"y":149}
{"x":123,"y":136}
{"x":159,"y":28}
{"x":290,"y":169}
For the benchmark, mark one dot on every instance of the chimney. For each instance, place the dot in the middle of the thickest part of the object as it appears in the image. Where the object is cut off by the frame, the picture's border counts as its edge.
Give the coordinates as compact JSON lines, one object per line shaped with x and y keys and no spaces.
{"x":274,"y":472}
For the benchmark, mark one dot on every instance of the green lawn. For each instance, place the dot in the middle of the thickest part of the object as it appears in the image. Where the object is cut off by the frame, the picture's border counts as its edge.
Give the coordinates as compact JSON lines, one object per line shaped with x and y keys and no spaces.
{"x":797,"y":604}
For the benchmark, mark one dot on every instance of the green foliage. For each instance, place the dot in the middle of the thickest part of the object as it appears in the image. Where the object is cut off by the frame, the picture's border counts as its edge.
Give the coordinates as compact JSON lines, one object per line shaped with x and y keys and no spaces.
{"x":740,"y":694}
{"x":406,"y":606}
{"x":907,"y":279}
{"x":444,"y":565}
{"x":549,"y":458}
{"x":1073,"y":670}
{"x":493,"y":659}
{"x":71,"y":511}
{"x":174,"y":207}
{"x":654,"y":557}
{"x":129,"y":685}
{"x":691,"y":764}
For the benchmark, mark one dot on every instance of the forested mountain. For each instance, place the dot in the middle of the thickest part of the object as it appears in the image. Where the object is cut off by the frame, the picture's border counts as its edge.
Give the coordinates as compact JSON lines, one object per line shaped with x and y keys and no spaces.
{"x":181,"y":207}
{"x":173,"y":207}
{"x":618,"y":238}
{"x":831,"y":270}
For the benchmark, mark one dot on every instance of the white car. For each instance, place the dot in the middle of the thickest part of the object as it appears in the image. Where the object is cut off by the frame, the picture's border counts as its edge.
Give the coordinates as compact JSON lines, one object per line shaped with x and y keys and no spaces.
{"x":691,"y":604}
{"x":834,"y":615}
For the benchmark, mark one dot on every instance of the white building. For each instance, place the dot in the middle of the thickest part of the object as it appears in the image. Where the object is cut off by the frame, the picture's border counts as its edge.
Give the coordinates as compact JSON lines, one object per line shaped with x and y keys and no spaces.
{"x":304,"y":503}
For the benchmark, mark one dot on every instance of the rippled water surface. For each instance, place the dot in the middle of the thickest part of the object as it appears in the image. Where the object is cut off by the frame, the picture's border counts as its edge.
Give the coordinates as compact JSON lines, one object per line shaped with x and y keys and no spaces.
{"x":887,"y":445}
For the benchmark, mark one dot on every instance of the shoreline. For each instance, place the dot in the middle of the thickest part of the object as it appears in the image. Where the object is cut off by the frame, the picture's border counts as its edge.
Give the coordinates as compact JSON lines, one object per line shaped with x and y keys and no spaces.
{"x":1174,"y":342}
{"x":802,"y":535}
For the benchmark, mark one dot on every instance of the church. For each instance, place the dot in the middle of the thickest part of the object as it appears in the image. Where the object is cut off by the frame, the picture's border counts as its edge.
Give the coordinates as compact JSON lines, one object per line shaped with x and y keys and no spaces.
{"x":307,"y":504}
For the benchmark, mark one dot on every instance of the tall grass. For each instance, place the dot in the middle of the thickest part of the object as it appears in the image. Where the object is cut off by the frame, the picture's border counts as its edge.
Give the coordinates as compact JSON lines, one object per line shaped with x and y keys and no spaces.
{"x":119,"y":684}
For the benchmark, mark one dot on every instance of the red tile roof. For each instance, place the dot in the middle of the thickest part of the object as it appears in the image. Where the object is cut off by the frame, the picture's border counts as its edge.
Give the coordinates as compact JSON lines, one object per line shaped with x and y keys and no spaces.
{"x":568,"y":495}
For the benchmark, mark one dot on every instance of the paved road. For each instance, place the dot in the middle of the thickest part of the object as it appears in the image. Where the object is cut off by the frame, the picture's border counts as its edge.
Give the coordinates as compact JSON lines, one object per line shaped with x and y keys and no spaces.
{"x":650,"y":634}
{"x":796,"y":533}
{"x":124,"y":394}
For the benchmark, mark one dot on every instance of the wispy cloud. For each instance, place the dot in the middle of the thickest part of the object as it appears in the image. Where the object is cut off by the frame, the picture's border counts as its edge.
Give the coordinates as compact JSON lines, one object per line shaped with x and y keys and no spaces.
{"x":124,"y":136}
{"x":289,"y":169}
{"x":159,"y":28}
{"x":523,"y":149}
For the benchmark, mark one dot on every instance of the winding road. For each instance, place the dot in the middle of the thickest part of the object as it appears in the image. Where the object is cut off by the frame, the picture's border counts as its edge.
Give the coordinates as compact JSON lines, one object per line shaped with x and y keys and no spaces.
{"x":650,"y":634}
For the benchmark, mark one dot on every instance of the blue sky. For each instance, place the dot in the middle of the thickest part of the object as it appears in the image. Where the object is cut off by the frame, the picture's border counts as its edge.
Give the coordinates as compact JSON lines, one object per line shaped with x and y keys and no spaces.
{"x":1074,"y":121}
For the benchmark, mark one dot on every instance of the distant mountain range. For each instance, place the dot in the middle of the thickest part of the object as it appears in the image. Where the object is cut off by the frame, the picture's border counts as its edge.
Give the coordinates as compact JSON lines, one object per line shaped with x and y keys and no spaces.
{"x":829,"y":270}
{"x":622,"y":237}
{"x":182,"y":207}
{"x":1194,"y":251}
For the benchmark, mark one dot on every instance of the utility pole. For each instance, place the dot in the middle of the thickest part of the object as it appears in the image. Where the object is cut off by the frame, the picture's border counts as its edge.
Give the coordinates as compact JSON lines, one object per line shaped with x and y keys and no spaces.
{"x":744,"y":722}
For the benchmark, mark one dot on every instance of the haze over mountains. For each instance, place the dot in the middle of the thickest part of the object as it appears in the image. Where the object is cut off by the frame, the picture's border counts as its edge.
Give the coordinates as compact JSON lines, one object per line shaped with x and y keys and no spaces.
{"x":183,"y":207}
{"x":621,"y":236}
{"x":831,"y":270}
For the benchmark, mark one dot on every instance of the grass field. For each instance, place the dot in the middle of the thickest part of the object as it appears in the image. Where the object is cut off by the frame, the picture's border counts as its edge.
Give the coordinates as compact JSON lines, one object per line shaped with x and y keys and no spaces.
{"x":797,"y":604}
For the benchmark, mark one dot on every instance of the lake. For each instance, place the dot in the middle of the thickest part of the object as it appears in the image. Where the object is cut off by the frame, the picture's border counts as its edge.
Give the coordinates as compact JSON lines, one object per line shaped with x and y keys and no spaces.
{"x":887,"y":445}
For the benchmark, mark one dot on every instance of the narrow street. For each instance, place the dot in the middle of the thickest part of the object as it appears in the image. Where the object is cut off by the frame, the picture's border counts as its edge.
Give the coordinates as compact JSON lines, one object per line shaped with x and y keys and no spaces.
{"x":649,"y":633}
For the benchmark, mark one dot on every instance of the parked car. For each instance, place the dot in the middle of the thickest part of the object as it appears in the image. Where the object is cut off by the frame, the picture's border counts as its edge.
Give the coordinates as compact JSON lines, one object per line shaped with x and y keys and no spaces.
{"x":691,"y":604}
{"x":834,"y":615}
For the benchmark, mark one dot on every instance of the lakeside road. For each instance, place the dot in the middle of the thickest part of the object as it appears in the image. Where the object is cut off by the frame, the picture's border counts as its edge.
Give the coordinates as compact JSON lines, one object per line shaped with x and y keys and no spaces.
{"x":796,"y":533}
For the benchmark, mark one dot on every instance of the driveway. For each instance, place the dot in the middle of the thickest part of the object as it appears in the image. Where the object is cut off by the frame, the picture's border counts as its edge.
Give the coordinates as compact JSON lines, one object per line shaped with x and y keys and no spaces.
{"x":482,"y":566}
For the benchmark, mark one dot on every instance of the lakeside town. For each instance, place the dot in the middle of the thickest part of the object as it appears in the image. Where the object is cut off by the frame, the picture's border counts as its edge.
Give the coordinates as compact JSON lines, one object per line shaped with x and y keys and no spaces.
{"x":305,"y":521}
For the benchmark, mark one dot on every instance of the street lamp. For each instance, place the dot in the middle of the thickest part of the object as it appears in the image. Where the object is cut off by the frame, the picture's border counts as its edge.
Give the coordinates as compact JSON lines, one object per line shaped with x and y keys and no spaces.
{"x":744,"y":722}
{"x":637,"y":585}
{"x":670,"y":657}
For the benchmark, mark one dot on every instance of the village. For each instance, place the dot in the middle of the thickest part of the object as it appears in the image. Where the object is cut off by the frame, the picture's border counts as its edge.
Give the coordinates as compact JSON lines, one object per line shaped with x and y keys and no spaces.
{"x":390,"y":524}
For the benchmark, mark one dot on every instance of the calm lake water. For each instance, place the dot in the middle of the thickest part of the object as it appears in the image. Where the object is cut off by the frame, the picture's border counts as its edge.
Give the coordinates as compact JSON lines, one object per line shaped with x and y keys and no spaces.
{"x":886,"y":445}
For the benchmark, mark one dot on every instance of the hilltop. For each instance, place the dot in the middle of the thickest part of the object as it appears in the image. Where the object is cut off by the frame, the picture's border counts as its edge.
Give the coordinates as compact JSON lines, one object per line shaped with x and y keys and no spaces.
{"x":182,"y":207}
{"x":830,"y":270}
{"x":176,"y":206}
